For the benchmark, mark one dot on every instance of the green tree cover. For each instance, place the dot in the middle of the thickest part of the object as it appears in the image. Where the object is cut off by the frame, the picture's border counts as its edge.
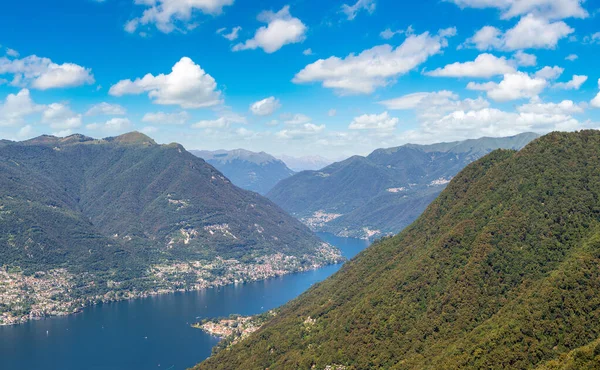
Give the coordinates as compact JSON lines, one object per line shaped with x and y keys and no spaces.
{"x":112,"y":207}
{"x":501,"y":271}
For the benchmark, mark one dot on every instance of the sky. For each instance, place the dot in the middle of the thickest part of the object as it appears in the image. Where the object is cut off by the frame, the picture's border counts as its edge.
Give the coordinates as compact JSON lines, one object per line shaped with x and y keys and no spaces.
{"x":298,"y":77}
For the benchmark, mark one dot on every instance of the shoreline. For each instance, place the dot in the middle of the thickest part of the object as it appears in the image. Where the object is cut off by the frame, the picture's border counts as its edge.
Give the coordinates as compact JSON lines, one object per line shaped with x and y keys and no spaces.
{"x":82,"y":304}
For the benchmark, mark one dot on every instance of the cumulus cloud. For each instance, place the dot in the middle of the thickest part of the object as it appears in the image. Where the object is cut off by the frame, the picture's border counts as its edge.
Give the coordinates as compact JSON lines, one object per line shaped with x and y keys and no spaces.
{"x":431,"y":103}
{"x":60,"y":116}
{"x":231,"y":36}
{"x":106,"y":109}
{"x":549,"y":73}
{"x":188,"y":86}
{"x":298,"y":119}
{"x":265,"y":107}
{"x":565,"y":107}
{"x":42,"y":73}
{"x":281,"y":29}
{"x":301,"y":131}
{"x":163,"y":118}
{"x":574,"y":84}
{"x":12,"y":53}
{"x":375,"y":67}
{"x":524,"y":59}
{"x":224,"y":121}
{"x":380,"y":122}
{"x":514,"y":86}
{"x":352,"y":11}
{"x":113,"y":125}
{"x":552,"y":9}
{"x":485,"y":65}
{"x":571,"y":57}
{"x":307,"y":52}
{"x":17,"y":107}
{"x":530,"y":32}
{"x":168,"y":15}
{"x":596,"y":101}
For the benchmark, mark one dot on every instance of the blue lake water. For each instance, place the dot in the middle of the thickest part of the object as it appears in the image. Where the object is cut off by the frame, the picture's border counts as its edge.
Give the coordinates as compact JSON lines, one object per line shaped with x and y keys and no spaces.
{"x":150,"y":333}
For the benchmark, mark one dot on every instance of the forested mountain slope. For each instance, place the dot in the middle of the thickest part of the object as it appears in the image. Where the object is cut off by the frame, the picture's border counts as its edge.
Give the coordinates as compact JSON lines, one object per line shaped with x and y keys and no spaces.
{"x":384,"y":192}
{"x":123,"y":213}
{"x":501,"y":271}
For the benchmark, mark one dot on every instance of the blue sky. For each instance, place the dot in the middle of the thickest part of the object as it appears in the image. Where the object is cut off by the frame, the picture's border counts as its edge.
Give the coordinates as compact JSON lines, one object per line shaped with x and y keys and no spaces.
{"x":298,"y":77}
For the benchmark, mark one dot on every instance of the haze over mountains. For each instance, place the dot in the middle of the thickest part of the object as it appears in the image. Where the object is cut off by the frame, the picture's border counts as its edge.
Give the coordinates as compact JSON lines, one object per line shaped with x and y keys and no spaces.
{"x":384,"y":192}
{"x":501,"y":271}
{"x":122,"y":214}
{"x":305,"y":163}
{"x":258,"y":172}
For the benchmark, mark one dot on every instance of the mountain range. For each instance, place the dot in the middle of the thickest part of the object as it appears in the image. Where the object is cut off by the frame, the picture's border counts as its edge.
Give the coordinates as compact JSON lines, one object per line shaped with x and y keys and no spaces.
{"x":258,"y":172}
{"x":305,"y":163}
{"x":501,"y":271}
{"x":384,"y":192}
{"x":126,"y":215}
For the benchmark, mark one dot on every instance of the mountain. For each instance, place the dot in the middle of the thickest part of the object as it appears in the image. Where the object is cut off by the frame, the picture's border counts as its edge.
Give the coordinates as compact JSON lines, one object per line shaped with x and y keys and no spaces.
{"x":126,"y":216}
{"x":384,"y":192}
{"x":501,"y":271}
{"x":306,"y":163}
{"x":258,"y":172}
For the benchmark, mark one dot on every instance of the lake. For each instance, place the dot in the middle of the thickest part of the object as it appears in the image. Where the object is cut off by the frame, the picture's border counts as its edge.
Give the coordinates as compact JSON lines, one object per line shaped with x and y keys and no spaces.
{"x":153,"y":332}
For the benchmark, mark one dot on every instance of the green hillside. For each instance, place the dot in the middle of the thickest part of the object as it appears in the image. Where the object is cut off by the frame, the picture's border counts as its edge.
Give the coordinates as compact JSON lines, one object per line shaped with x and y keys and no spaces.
{"x":384,"y":192}
{"x":501,"y":271}
{"x":122,"y":214}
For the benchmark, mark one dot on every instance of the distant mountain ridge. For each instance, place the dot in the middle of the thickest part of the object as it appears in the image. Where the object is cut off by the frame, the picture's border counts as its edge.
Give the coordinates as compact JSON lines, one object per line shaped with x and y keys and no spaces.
{"x":305,"y":163}
{"x":502,"y":271}
{"x":129,"y":216}
{"x":384,"y":192}
{"x":258,"y":172}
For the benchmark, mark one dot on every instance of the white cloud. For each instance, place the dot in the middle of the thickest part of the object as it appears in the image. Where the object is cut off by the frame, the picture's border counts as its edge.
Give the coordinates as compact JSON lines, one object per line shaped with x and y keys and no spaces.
{"x":25,"y":132}
{"x":112,"y":125}
{"x":265,"y":107}
{"x":188,"y":86}
{"x":12,"y":53}
{"x":571,"y":57}
{"x":332,"y":113}
{"x":434,"y":103}
{"x":224,"y":121}
{"x":149,"y":130}
{"x":60,"y":116}
{"x":524,"y":59}
{"x":574,"y":84}
{"x":300,"y":132}
{"x":169,"y":15}
{"x":485,"y":65}
{"x":380,"y":122}
{"x":231,"y":36}
{"x":17,"y":107}
{"x":308,"y":51}
{"x":281,"y":29}
{"x":43,"y":74}
{"x":106,"y":109}
{"x":372,"y":68}
{"x":298,"y":119}
{"x":592,"y":39}
{"x":530,"y":33}
{"x":552,"y":9}
{"x":596,"y":101}
{"x":163,"y":118}
{"x":514,"y":86}
{"x":388,"y":33}
{"x":352,"y":11}
{"x":549,"y":73}
{"x":565,"y":107}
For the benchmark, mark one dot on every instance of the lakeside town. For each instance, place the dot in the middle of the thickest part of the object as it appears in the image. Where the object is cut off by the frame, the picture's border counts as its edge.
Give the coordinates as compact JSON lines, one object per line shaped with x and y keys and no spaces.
{"x":56,"y":292}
